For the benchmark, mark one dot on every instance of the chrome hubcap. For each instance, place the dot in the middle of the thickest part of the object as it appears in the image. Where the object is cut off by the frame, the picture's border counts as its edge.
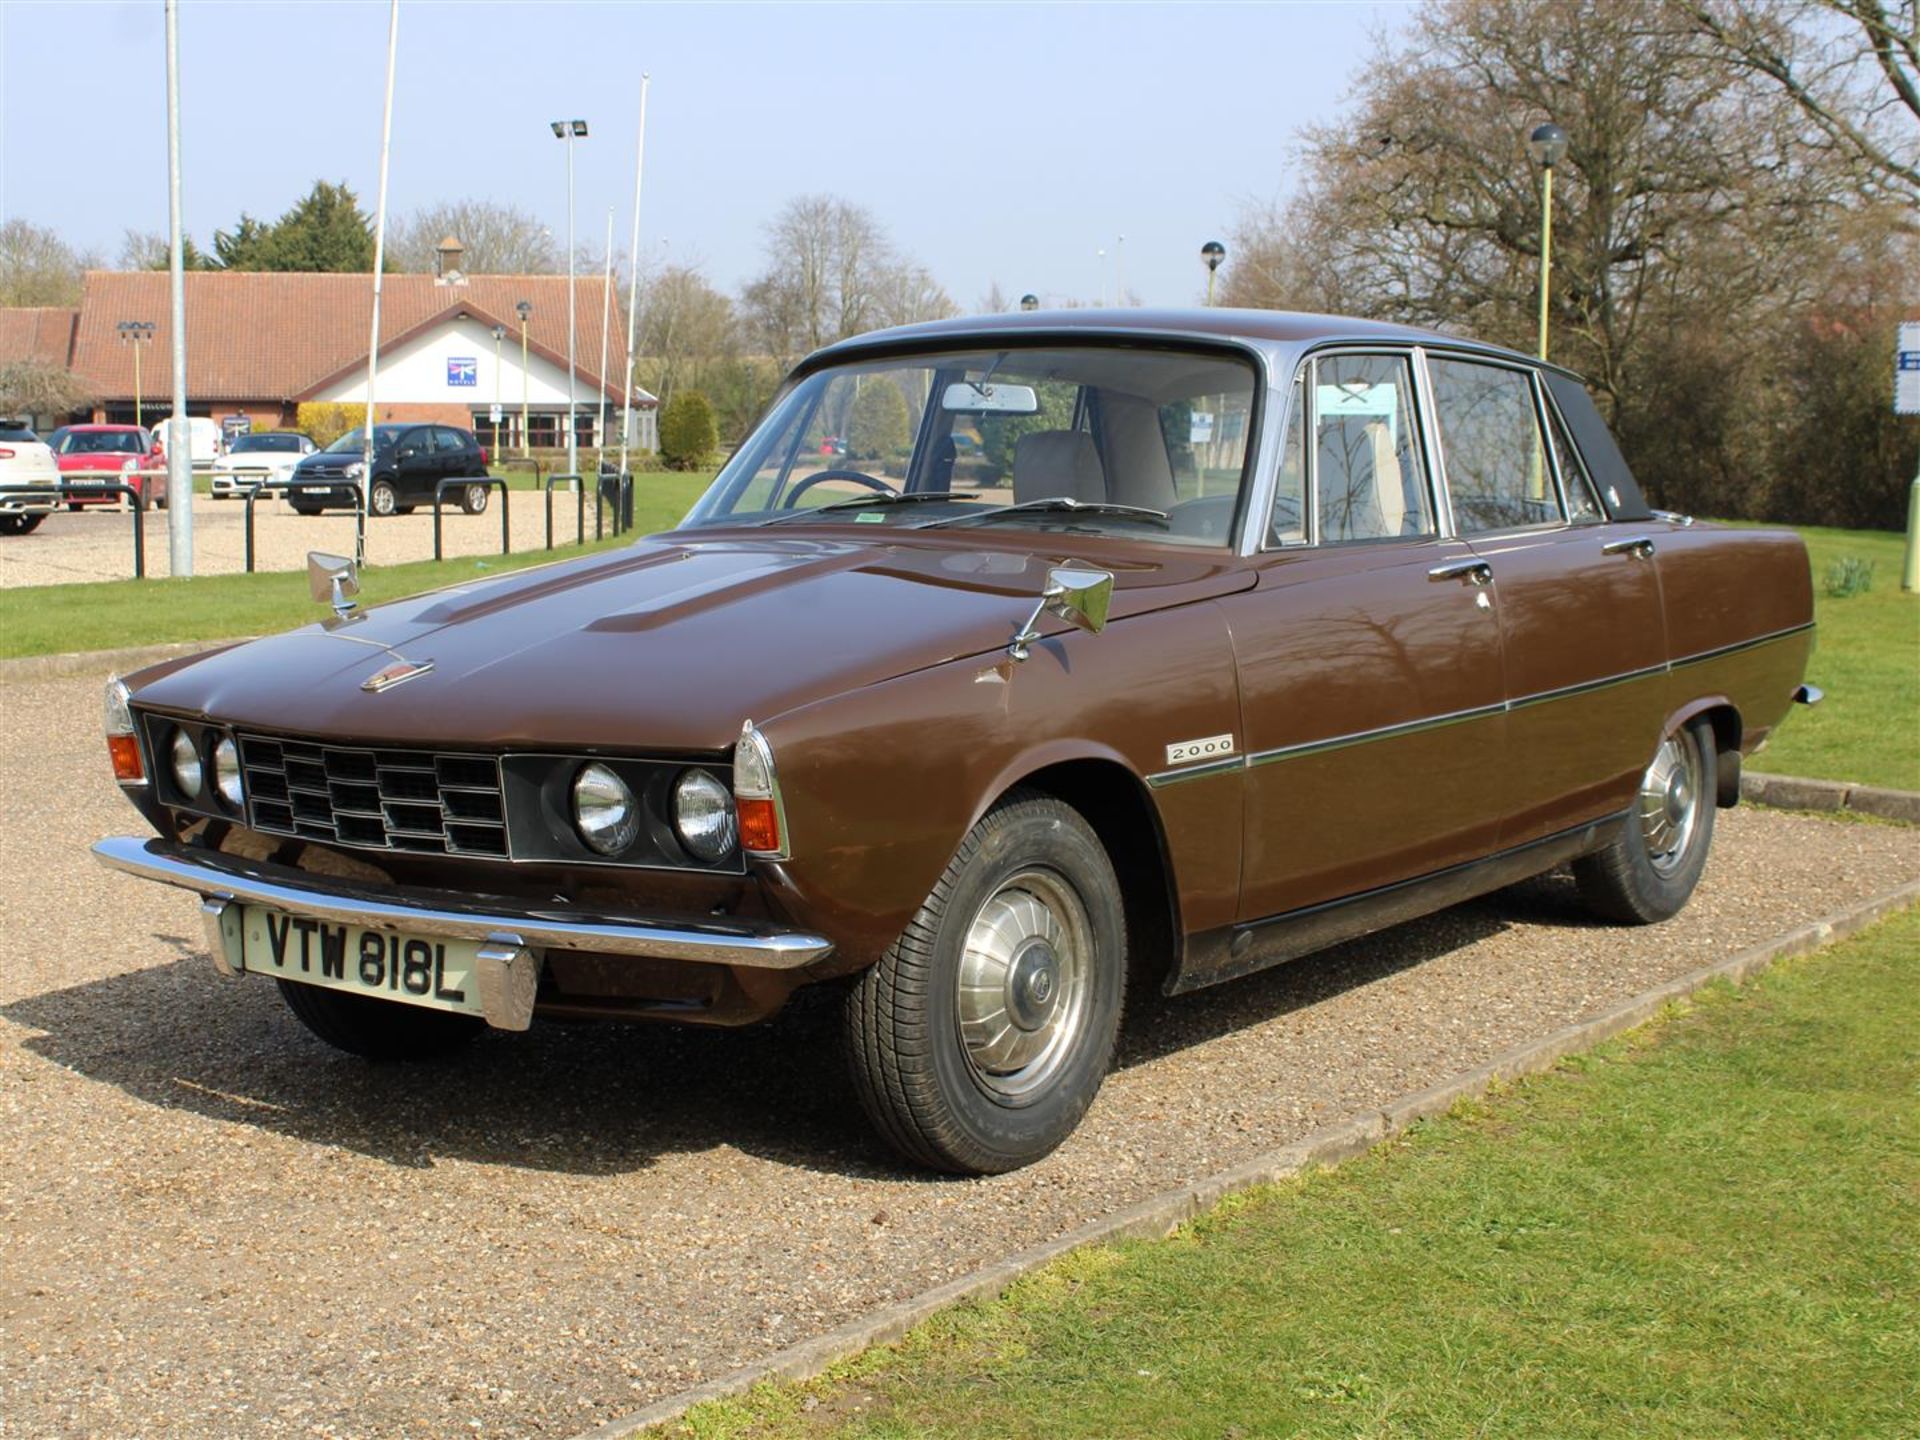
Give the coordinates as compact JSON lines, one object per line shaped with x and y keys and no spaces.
{"x":1670,"y":802}
{"x":1023,"y":985}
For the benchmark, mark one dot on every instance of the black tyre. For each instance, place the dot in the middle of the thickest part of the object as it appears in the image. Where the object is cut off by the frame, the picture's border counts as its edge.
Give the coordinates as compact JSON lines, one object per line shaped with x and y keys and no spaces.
{"x":382,"y":499}
{"x":473,"y":499}
{"x":20,"y":524}
{"x":303,"y":507}
{"x":982,"y":1036}
{"x":1648,"y":873}
{"x":378,"y":1029}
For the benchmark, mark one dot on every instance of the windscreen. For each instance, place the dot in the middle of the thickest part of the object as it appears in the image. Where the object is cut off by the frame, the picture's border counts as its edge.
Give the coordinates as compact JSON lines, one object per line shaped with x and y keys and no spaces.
{"x":1150,"y":443}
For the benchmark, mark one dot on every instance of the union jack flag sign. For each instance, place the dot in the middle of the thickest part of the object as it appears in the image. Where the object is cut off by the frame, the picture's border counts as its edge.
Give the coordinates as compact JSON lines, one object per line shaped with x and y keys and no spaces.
{"x":463,"y":370}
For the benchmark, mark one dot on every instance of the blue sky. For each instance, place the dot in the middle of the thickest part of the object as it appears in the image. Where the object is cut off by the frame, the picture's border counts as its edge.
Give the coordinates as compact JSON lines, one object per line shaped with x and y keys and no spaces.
{"x":995,"y":142}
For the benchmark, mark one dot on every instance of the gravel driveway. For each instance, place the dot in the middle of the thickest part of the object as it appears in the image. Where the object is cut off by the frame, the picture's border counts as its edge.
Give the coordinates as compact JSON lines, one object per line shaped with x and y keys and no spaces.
{"x":98,"y":544}
{"x":210,"y":1225}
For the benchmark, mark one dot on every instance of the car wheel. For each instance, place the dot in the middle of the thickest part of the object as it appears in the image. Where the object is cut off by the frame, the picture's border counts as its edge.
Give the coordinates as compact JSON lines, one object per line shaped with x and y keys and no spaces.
{"x":378,"y":1029}
{"x":473,"y":499}
{"x":20,"y":524}
{"x":1648,"y":873}
{"x":301,"y":507}
{"x":382,"y":498}
{"x":982,"y":1035}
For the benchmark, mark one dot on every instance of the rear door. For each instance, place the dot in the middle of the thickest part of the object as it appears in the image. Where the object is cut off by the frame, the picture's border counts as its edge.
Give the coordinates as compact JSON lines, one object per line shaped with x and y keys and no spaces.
{"x":1578,"y":599}
{"x":1369,"y":657}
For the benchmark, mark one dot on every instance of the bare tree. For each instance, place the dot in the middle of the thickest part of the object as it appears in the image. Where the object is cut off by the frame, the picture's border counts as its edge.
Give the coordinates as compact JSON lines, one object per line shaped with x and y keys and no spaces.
{"x":684,"y":328}
{"x":500,"y":239}
{"x":1852,"y":67}
{"x":37,"y":267}
{"x":831,"y":272}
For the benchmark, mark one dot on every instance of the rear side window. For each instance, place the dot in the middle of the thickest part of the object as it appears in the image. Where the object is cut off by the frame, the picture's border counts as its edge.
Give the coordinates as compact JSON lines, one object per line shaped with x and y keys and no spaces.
{"x":1583,"y":501}
{"x":449,"y":440}
{"x":1496,"y":460}
{"x":1366,"y":471}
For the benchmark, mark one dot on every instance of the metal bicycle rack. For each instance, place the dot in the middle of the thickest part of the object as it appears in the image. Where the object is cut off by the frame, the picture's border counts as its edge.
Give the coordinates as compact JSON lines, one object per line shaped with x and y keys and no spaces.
{"x":493,"y":482}
{"x":579,"y":507}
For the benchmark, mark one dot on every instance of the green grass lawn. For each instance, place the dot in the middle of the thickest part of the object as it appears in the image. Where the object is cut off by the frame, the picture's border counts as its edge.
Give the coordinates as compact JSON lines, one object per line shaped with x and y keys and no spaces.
{"x":1705,"y":1228}
{"x":1868,"y":661}
{"x":51,"y":619}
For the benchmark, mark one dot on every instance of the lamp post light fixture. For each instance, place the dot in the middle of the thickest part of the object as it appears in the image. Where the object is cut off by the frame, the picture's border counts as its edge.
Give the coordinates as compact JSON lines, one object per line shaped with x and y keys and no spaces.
{"x":523,"y":309}
{"x":1547,"y":144}
{"x":136,"y":333}
{"x":569,"y":131}
{"x":1211,"y":254}
{"x":1029,"y":301}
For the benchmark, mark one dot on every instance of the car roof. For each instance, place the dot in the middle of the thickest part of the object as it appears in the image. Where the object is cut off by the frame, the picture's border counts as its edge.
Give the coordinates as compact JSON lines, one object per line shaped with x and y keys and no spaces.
{"x":1289,"y":327}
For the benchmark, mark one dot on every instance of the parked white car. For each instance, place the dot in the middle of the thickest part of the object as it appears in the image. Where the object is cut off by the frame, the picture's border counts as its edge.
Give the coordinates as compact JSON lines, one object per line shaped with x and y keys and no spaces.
{"x":265,"y":458}
{"x":24,"y":460}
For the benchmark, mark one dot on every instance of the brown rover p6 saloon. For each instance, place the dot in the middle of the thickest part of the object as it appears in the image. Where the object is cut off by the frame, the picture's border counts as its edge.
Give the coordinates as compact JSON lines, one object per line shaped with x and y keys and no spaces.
{"x":1004,"y":659}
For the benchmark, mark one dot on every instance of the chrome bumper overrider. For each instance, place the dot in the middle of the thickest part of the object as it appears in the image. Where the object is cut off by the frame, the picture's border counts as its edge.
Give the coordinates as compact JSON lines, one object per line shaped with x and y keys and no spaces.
{"x":513,"y":934}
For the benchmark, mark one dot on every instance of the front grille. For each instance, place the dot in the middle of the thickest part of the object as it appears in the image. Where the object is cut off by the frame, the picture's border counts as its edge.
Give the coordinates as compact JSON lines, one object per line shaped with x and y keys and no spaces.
{"x":419,"y":800}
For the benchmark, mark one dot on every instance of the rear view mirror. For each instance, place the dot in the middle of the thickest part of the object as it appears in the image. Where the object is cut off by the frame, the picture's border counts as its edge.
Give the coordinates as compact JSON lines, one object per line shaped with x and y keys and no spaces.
{"x":967,"y":398}
{"x":332,"y":580}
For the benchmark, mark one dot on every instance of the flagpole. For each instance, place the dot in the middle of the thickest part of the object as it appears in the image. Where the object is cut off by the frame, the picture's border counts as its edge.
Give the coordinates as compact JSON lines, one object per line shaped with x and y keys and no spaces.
{"x":633,"y":292}
{"x":606,"y":322}
{"x":379,"y":267}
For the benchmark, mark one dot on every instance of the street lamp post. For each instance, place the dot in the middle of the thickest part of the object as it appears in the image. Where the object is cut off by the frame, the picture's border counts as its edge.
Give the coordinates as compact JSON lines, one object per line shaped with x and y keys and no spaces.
{"x":569,"y":131}
{"x":499,"y":334}
{"x":1547,"y":143}
{"x":524,"y":309}
{"x":136,"y":333}
{"x":1211,"y":254}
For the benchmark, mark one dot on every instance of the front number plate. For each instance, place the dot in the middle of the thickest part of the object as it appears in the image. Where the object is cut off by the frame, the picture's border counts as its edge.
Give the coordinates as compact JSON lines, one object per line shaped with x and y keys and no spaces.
{"x":413,"y":969}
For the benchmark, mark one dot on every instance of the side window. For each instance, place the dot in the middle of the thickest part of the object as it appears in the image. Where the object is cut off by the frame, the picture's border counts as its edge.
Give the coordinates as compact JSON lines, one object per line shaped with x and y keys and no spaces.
{"x":1367,"y":475}
{"x":1496,"y":462}
{"x":1582,"y":501}
{"x":1288,"y":525}
{"x":450,"y":440}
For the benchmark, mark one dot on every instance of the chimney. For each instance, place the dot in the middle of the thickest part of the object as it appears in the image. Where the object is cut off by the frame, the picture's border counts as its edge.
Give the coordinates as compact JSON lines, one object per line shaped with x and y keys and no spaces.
{"x":447,"y":256}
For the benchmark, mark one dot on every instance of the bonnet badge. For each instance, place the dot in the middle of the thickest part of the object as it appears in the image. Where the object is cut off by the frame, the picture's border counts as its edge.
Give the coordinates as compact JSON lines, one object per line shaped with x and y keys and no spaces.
{"x":398,"y":673}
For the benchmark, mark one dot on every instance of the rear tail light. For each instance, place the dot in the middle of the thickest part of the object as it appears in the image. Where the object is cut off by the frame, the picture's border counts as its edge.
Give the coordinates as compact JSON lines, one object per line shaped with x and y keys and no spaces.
{"x":486,"y":456}
{"x":123,"y":747}
{"x":5,"y":454}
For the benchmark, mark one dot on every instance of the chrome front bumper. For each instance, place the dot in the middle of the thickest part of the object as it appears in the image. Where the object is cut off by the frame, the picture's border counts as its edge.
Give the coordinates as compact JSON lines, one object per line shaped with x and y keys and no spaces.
{"x":514,"y":935}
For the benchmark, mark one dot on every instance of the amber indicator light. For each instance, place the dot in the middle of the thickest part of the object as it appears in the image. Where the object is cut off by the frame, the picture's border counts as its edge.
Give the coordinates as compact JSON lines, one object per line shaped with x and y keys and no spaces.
{"x":759,"y":826}
{"x":125,"y":751}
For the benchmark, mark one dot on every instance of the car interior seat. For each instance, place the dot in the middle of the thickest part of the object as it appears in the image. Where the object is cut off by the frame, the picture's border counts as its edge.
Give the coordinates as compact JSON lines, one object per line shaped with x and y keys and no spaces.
{"x":1057,"y":462}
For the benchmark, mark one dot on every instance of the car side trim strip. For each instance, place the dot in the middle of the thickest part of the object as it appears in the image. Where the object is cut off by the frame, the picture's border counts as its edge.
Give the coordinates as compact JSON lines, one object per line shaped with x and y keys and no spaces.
{"x":1164,"y":778}
{"x":214,"y":875}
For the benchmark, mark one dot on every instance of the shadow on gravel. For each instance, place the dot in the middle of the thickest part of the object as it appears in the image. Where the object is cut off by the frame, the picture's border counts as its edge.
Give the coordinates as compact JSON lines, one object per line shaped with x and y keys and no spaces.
{"x":610,"y":1099}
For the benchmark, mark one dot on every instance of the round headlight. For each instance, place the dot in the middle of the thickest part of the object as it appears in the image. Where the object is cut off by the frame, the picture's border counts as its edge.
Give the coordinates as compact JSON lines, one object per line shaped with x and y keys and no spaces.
{"x":186,"y":765}
{"x":226,"y":773}
{"x":603,"y":810}
{"x":703,"y":816}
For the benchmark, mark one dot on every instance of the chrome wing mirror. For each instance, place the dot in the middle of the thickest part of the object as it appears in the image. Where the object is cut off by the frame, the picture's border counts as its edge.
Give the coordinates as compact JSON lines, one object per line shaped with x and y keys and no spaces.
{"x":333,"y":580}
{"x":1078,"y":594}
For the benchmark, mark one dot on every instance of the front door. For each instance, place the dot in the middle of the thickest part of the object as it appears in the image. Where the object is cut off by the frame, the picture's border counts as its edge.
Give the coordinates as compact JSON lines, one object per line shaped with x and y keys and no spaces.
{"x":1369,"y":657}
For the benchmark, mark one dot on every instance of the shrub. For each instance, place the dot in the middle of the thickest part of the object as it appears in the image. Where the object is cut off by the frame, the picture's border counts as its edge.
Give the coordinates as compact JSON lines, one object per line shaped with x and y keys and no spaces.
{"x":325,"y":422}
{"x":1849,"y":575}
{"x":687,"y":432}
{"x":877,"y":427}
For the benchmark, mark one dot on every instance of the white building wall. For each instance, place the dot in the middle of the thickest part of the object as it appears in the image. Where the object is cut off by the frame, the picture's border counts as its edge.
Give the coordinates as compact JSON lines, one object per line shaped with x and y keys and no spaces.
{"x":416,"y":373}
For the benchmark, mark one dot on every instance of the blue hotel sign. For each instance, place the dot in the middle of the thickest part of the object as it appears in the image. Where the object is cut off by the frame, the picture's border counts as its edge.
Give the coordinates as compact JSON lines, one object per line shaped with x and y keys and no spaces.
{"x":463,"y":370}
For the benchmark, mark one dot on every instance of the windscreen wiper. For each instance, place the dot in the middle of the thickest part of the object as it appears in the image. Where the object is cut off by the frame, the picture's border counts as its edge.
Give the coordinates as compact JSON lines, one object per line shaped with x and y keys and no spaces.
{"x":1050,"y":505}
{"x":868,"y":502}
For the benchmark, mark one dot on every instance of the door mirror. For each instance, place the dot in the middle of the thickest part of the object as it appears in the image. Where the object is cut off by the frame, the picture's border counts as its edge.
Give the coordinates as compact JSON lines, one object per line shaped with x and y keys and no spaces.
{"x":332,"y":580}
{"x":1078,"y":594}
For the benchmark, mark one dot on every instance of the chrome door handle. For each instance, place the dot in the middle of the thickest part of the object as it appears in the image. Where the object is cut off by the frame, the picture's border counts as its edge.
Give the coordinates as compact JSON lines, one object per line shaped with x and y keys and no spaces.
{"x":1639,"y":546}
{"x":1479,"y":572}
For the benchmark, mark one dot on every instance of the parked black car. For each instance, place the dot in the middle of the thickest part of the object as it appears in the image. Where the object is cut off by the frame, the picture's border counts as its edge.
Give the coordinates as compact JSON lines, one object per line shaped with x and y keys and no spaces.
{"x":409,"y":462}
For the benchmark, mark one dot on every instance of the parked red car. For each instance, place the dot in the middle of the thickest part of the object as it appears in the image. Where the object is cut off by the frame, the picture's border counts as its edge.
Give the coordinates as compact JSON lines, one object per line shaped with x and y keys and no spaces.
{"x":110,"y":455}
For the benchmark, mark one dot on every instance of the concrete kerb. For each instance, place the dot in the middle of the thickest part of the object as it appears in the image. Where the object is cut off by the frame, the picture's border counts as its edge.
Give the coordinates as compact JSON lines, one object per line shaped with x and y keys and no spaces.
{"x":1794,"y":792}
{"x":1163,"y":1214}
{"x":28,"y":668}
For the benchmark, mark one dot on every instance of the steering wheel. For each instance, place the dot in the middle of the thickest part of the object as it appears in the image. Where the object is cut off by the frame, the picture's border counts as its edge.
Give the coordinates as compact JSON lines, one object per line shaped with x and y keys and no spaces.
{"x":857,"y":476}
